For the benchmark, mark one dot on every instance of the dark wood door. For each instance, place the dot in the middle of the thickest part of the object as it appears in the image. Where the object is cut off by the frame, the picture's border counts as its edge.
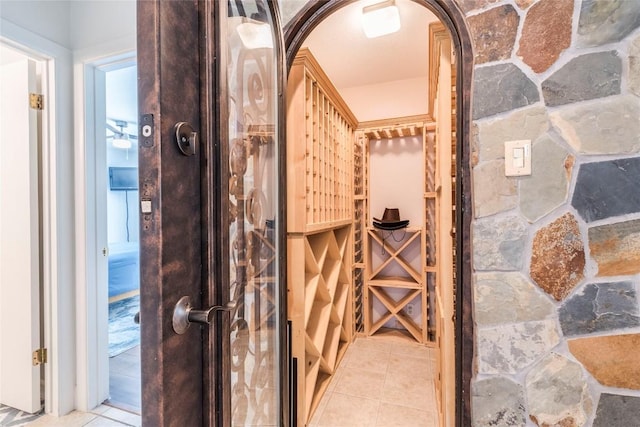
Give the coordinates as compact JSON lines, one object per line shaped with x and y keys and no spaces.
{"x":212,"y":213}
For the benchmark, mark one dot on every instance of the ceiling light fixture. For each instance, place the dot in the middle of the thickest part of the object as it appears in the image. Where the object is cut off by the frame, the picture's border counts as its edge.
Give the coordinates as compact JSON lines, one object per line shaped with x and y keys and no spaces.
{"x":380,"y":19}
{"x":121,"y":139}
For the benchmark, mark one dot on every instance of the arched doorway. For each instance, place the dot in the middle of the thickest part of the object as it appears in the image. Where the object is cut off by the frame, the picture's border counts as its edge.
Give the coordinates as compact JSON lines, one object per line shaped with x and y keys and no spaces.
{"x":452,"y":18}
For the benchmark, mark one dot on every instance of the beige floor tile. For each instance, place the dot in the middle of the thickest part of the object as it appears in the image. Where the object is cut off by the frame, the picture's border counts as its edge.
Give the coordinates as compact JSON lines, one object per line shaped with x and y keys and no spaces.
{"x":74,"y":419}
{"x":403,"y":366}
{"x":372,"y":344}
{"x":349,"y":411}
{"x":408,"y":382}
{"x":320,"y":409}
{"x":400,"y":416}
{"x":412,"y":349}
{"x":408,"y":392}
{"x":335,"y":377}
{"x":359,"y":383}
{"x":365,"y":359}
{"x":345,"y":357}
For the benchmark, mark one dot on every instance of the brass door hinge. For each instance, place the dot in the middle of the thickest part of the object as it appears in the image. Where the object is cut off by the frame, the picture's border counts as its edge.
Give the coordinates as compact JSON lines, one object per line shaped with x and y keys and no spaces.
{"x":39,"y":356}
{"x":36,"y":101}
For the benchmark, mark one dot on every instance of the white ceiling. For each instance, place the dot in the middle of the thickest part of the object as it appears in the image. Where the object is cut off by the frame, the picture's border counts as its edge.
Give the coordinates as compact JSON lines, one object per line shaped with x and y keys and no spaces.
{"x":350,"y":59}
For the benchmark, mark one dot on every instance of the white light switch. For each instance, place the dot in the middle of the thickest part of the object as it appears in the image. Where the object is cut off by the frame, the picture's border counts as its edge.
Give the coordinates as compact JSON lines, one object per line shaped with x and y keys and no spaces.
{"x":517,"y":158}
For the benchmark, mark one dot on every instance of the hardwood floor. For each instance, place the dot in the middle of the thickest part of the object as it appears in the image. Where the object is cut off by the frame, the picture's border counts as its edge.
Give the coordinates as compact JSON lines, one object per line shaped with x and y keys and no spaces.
{"x":124,"y":381}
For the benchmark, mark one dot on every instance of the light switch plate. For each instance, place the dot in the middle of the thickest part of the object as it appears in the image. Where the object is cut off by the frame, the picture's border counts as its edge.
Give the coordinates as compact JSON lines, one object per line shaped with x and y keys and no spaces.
{"x":517,"y":158}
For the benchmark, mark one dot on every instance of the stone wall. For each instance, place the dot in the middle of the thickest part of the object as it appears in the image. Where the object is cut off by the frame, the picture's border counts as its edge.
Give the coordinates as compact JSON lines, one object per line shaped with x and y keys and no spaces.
{"x":556,"y":254}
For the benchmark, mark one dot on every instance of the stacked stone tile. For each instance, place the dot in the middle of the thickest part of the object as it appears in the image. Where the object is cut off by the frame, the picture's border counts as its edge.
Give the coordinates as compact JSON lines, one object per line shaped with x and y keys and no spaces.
{"x":557,"y":253}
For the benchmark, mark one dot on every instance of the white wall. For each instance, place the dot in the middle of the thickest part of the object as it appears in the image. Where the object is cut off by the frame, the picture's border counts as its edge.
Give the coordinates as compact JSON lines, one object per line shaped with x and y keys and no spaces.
{"x":398,"y":98}
{"x":396,"y":177}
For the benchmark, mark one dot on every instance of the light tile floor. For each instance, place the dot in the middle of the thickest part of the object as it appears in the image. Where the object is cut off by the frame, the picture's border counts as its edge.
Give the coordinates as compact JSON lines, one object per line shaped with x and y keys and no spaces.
{"x":102,"y":416}
{"x":382,"y":381}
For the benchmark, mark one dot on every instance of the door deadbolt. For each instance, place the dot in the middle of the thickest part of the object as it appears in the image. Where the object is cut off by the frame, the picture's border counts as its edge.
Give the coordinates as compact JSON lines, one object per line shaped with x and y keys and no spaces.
{"x":186,"y":137}
{"x":184,"y":314}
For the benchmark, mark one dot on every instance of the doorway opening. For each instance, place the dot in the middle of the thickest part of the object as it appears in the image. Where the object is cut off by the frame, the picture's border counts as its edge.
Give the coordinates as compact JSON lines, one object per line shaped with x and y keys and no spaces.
{"x":109,"y":252}
{"x":122,"y":224}
{"x":427,"y":307}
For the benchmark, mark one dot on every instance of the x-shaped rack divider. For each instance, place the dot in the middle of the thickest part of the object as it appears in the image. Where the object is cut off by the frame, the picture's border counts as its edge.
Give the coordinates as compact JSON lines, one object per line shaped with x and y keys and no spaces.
{"x":395,"y":254}
{"x":395,"y":310}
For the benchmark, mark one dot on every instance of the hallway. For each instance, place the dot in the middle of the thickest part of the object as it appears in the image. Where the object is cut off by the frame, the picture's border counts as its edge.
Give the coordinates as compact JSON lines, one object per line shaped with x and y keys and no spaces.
{"x":383,"y":380}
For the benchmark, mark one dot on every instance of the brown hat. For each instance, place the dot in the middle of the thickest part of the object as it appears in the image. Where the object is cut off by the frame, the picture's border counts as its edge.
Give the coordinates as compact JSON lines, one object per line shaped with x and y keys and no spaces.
{"x":390,"y":220}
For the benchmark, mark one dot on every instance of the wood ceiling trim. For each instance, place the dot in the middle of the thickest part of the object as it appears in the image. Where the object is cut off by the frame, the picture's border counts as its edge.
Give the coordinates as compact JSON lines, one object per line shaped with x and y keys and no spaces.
{"x":398,"y":127}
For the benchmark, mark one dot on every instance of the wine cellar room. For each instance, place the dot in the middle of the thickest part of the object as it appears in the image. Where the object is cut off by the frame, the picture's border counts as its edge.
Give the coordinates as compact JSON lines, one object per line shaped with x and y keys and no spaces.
{"x":371,"y":143}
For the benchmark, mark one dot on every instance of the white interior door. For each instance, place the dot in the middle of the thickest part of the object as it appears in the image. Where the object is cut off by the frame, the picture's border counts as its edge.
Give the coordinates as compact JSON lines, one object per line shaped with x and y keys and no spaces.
{"x":20,"y":265}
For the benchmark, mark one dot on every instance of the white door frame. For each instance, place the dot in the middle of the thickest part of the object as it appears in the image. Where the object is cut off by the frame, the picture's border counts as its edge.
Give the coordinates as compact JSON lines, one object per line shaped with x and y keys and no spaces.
{"x":91,"y":236}
{"x":57,"y":211}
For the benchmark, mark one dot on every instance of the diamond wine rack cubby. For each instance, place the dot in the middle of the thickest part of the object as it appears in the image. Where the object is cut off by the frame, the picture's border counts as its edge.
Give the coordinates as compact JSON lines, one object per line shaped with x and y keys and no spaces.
{"x":326,"y":306}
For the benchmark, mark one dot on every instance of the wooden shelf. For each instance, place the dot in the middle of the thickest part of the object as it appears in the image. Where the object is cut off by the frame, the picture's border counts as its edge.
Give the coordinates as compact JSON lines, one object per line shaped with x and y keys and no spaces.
{"x":318,"y":322}
{"x":395,"y":282}
{"x":311,"y":285}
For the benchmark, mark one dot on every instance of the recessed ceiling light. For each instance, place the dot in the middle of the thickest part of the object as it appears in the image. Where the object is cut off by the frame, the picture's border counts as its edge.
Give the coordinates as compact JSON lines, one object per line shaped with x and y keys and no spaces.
{"x":380,"y":19}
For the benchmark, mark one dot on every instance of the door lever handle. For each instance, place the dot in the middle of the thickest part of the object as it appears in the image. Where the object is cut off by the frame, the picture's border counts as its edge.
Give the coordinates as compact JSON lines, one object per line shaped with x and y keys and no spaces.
{"x":184,"y":314}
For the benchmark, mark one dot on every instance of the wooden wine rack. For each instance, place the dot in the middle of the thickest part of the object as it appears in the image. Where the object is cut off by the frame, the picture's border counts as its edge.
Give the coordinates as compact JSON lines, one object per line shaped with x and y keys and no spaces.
{"x":442,"y":90}
{"x":360,"y":221}
{"x":320,"y":138}
{"x":332,"y":279}
{"x":320,"y":215}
